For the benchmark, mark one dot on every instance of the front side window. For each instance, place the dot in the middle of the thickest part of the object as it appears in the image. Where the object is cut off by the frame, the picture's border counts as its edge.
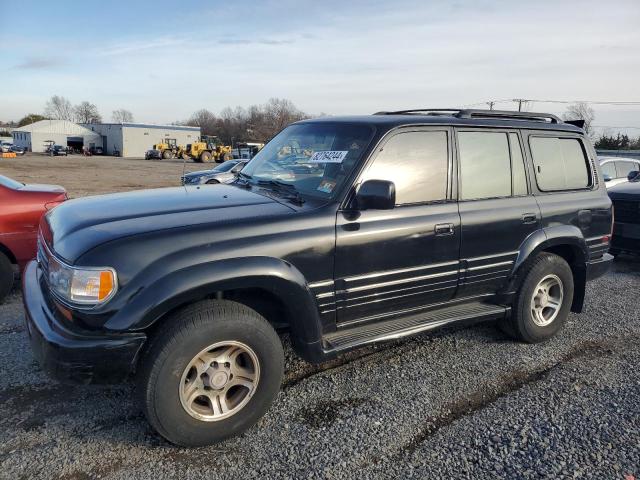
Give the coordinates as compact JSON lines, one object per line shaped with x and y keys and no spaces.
{"x":609,"y":171}
{"x":560,"y":163}
{"x":313,"y":158}
{"x":485,"y":165}
{"x":417,"y":163}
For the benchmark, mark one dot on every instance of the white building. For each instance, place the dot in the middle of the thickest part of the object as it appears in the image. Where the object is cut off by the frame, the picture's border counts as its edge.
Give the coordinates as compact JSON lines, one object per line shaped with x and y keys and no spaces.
{"x":37,"y":136}
{"x":134,"y":139}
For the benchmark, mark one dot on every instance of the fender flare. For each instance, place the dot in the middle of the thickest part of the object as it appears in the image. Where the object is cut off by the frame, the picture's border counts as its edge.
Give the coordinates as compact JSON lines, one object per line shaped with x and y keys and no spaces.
{"x":160,"y":296}
{"x":555,"y":236}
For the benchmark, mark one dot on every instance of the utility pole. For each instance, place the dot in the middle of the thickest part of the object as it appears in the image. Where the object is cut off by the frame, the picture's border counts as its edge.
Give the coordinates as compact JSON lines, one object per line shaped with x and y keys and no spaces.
{"x":520,"y":102}
{"x":491,"y":104}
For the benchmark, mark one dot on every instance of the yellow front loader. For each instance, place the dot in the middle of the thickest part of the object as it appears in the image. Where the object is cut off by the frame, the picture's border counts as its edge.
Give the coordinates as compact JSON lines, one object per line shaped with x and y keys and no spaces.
{"x":208,"y":148}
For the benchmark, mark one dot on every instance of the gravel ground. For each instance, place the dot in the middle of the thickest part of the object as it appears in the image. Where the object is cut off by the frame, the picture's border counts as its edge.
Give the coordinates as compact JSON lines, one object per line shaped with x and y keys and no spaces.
{"x":100,"y":174}
{"x":460,"y":403}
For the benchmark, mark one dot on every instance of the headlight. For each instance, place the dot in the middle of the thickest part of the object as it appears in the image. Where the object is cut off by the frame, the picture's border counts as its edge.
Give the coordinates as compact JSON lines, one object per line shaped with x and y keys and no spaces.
{"x":87,"y":286}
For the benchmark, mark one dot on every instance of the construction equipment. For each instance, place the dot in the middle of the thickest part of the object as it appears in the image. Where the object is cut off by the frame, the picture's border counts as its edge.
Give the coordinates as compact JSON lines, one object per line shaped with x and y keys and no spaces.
{"x":168,"y":148}
{"x":210,"y":147}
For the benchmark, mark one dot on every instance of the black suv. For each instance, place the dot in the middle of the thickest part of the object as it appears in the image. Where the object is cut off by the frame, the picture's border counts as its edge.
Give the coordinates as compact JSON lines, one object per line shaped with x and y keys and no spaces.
{"x":343,"y":232}
{"x":626,"y":205}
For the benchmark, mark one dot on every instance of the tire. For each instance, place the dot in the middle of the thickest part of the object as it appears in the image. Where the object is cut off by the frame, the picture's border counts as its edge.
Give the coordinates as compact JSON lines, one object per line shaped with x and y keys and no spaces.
{"x":166,"y":155}
{"x":528,"y":324}
{"x":6,"y":276}
{"x":212,"y":182}
{"x":227,"y":156}
{"x":163,"y":372}
{"x":205,"y":157}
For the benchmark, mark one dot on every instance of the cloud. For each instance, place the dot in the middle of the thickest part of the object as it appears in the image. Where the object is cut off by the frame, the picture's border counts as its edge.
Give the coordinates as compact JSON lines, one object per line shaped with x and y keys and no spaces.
{"x":40,"y":64}
{"x":259,"y":41}
{"x":137,"y":46}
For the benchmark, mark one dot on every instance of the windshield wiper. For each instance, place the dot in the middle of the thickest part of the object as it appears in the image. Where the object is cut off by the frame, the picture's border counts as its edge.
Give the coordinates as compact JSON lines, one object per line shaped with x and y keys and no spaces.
{"x":286,"y":190}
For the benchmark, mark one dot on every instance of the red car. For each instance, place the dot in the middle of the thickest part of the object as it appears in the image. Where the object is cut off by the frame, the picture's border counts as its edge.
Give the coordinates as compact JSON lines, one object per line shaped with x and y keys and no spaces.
{"x":21,"y":207}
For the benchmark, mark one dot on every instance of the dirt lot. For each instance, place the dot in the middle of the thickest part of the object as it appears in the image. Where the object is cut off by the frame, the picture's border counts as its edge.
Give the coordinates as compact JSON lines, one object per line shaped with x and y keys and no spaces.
{"x":460,"y":403}
{"x":83,"y":176}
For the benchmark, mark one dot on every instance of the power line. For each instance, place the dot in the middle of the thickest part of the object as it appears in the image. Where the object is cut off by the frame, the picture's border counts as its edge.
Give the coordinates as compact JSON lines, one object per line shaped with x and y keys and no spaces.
{"x":614,"y":126}
{"x":522,"y":101}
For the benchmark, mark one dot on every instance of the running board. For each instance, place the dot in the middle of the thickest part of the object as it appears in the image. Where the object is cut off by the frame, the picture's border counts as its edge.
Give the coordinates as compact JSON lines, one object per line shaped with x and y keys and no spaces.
{"x":405,"y":326}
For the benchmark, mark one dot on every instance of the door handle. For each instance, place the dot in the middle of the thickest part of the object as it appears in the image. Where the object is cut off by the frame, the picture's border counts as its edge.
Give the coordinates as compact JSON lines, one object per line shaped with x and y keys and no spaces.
{"x":442,"y":229}
{"x":529,"y":218}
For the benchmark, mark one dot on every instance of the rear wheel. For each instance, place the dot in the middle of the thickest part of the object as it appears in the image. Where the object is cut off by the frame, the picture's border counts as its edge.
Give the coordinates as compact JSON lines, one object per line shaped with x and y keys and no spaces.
{"x":166,"y":154}
{"x":6,"y":276}
{"x":211,"y":374}
{"x":543,"y":301}
{"x":205,"y":157}
{"x":227,"y":156}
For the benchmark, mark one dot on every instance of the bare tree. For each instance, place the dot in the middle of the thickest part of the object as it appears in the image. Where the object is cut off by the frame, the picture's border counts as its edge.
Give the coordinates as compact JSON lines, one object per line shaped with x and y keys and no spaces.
{"x":122,"y":116}
{"x":59,"y":108}
{"x":581,"y":111}
{"x":204,"y":119}
{"x":86,"y":112}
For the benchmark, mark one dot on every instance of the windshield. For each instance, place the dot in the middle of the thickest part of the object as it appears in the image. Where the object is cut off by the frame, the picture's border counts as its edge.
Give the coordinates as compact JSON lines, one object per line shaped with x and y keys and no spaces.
{"x":315,"y":158}
{"x":9,"y":183}
{"x":225,"y":167}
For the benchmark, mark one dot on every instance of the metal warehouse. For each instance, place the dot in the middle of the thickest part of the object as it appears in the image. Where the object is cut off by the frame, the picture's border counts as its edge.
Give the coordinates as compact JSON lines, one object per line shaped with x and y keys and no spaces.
{"x":37,"y":136}
{"x":134,"y":139}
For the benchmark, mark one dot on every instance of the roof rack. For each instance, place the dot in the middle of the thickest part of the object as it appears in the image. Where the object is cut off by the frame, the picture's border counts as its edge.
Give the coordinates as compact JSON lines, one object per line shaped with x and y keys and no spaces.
{"x":471,"y":113}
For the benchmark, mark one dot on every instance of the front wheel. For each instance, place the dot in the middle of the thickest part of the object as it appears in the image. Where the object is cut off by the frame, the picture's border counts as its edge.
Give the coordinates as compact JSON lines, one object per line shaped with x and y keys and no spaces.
{"x":211,"y":374}
{"x":543,"y":300}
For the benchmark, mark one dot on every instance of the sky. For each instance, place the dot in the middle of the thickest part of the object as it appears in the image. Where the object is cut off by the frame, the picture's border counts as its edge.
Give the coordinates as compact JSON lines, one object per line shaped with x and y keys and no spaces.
{"x":163,"y":60}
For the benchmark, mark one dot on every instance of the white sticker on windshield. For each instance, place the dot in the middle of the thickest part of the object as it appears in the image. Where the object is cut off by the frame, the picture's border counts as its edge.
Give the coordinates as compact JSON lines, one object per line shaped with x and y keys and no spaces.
{"x":329,"y":156}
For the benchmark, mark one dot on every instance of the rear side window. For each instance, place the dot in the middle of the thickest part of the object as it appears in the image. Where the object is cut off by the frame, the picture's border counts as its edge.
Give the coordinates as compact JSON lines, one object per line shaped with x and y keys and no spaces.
{"x":417,"y":163}
{"x":485,"y":165}
{"x":560,"y":163}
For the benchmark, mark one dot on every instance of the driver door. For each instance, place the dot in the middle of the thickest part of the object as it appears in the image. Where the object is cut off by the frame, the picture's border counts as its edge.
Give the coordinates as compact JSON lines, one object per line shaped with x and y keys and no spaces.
{"x":393,"y":262}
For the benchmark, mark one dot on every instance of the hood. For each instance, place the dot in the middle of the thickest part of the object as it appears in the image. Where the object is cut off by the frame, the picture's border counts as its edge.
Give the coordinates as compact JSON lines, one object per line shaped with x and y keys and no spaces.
{"x":626,"y":191}
{"x":78,"y":225}
{"x":200,"y":173}
{"x":36,"y":187}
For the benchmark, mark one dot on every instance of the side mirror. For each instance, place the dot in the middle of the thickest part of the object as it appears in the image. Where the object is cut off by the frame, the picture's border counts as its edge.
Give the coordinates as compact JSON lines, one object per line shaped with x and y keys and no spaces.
{"x":376,"y":195}
{"x":607,"y":178}
{"x":633,"y":175}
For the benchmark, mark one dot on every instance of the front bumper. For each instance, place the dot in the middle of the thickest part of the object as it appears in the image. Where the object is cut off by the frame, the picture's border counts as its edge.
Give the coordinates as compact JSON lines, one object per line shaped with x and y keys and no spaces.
{"x":597,"y":268}
{"x":75,"y":355}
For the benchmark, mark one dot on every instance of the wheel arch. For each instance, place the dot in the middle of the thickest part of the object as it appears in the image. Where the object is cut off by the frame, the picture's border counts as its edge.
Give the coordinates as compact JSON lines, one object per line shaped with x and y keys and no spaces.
{"x":274,"y":288}
{"x":566,"y":241}
{"x":8,"y":253}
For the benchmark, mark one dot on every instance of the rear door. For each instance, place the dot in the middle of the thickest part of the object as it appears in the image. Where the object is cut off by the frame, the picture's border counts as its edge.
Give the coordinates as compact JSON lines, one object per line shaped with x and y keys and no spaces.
{"x":391,"y":262}
{"x":497,"y":210}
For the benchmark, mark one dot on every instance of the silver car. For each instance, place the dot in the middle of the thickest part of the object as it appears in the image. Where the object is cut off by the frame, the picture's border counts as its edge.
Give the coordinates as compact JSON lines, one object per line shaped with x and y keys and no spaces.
{"x":616,"y":170}
{"x":224,"y":173}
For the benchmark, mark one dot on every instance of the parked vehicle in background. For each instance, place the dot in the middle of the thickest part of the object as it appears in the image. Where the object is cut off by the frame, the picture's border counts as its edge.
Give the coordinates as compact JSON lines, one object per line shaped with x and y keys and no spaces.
{"x":96,"y":151}
{"x":616,"y":170}
{"x":22,"y":207}
{"x":59,"y":150}
{"x":387,"y":225}
{"x":626,"y":205}
{"x":18,"y":150}
{"x":153,"y":154}
{"x":5,"y":147}
{"x":224,"y":173}
{"x":209,"y":148}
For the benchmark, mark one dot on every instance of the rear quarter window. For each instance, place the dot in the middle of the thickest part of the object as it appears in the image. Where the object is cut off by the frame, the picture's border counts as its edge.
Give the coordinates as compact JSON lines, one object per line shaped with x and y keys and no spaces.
{"x":560,"y":163}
